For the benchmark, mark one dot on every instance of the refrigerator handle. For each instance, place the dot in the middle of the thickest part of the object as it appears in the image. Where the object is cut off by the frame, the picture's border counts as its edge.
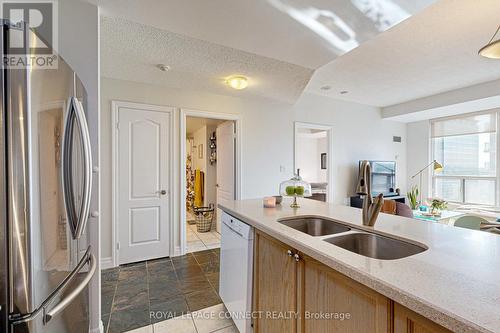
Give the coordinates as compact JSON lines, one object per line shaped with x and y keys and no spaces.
{"x":68,"y":299}
{"x":77,"y":217}
{"x":87,"y":172}
{"x":89,"y":259}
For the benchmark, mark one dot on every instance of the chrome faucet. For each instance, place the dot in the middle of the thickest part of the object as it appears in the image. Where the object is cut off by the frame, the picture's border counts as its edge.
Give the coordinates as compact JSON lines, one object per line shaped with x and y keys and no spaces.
{"x":371,"y":207}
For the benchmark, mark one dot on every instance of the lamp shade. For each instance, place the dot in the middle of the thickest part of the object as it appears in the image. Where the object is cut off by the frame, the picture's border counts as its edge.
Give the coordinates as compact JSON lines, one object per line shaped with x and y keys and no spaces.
{"x":438,"y":167}
{"x":492,"y":49}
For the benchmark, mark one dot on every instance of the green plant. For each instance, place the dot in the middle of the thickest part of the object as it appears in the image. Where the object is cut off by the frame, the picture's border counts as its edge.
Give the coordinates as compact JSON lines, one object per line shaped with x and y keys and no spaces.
{"x":413,"y":197}
{"x":438,"y":204}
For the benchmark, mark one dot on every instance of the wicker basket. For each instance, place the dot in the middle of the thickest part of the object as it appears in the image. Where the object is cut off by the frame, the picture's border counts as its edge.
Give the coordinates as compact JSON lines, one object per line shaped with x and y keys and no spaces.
{"x":204,"y":218}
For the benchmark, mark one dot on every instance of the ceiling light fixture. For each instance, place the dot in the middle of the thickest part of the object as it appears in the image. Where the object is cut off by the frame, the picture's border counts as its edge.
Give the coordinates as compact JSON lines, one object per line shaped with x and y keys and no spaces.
{"x":492,"y":49}
{"x":343,"y":92}
{"x":163,"y":67}
{"x":237,"y":82}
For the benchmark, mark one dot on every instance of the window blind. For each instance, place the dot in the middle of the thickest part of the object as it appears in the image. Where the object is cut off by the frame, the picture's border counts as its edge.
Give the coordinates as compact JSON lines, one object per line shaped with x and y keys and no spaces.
{"x":464,"y":125}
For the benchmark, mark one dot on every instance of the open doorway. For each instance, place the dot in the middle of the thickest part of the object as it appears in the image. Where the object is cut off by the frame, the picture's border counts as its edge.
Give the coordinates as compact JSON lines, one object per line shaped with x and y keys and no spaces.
{"x":313,"y":156}
{"x":210,"y":173}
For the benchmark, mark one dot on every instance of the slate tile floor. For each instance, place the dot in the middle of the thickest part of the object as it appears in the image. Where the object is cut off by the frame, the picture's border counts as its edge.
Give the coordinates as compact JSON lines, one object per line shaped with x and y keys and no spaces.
{"x":167,"y":287}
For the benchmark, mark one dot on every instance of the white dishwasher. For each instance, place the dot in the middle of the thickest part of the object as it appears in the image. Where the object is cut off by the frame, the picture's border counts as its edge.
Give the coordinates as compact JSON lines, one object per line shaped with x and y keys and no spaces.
{"x":236,"y":269}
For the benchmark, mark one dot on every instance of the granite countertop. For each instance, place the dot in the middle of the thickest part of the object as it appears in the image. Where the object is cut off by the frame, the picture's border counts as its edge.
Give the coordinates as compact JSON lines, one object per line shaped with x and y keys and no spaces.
{"x":456,"y":282}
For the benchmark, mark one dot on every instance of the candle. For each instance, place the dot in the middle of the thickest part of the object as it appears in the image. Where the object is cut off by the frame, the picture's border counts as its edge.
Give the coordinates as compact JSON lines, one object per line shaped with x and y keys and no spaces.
{"x":269,"y":202}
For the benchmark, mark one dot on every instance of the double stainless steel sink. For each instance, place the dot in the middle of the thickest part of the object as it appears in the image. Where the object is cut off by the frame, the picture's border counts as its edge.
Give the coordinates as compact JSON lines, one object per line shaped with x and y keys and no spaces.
{"x":363,"y":243}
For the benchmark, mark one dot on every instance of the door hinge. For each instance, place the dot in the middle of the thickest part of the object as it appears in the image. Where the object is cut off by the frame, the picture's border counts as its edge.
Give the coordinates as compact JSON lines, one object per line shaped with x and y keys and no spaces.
{"x":118,"y":125}
{"x":118,"y":245}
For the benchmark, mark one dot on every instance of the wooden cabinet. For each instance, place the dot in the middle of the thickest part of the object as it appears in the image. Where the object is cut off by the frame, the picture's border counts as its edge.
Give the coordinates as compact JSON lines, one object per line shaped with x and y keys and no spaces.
{"x":275,"y":286}
{"x":295,"y":293}
{"x":407,"y":321}
{"x":333,"y":302}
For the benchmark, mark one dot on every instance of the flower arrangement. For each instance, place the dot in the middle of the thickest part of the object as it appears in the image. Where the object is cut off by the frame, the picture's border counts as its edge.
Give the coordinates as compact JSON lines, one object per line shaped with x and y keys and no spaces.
{"x":438,"y":205}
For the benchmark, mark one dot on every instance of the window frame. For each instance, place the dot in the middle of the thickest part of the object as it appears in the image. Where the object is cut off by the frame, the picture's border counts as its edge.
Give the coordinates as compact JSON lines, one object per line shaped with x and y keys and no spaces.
{"x":434,"y":176}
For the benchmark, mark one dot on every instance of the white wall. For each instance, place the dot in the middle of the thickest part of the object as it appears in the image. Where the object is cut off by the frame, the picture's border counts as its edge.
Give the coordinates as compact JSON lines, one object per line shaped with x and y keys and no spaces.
{"x":359,"y":133}
{"x":199,"y":138}
{"x":79,"y":46}
{"x":267,"y":138}
{"x":418,"y":148}
{"x":322,"y":148}
{"x":309,"y":151}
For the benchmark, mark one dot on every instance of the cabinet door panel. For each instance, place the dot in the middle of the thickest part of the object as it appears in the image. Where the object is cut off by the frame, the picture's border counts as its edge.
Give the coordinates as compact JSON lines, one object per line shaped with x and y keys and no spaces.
{"x":407,"y":321}
{"x":275,"y":286}
{"x":351,"y":307}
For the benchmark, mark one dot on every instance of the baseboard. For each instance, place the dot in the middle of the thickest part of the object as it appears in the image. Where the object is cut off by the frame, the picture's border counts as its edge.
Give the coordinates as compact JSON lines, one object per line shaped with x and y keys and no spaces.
{"x":99,"y":329}
{"x":177,"y":251}
{"x":107,"y":263}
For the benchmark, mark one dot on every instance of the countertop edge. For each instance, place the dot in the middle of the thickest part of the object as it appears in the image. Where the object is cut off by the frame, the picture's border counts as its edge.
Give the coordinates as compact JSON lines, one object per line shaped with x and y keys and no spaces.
{"x":440,"y":316}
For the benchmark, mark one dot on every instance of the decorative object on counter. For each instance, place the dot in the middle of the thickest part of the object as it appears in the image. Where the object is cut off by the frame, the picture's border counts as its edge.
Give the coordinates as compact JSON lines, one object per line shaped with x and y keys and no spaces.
{"x":371,"y":207}
{"x":492,"y":49}
{"x":413,"y":197}
{"x":204,"y":218}
{"x":323,"y":161}
{"x":437,"y":206}
{"x":398,"y":191}
{"x":279,"y":199}
{"x":213,"y":149}
{"x":269,"y":202}
{"x":295,"y":187}
{"x":437,"y":168}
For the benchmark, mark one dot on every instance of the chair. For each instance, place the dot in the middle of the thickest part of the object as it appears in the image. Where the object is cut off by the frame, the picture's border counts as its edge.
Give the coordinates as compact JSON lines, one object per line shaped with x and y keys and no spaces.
{"x":470,"y":222}
{"x":389,"y":207}
{"x":404,"y":210}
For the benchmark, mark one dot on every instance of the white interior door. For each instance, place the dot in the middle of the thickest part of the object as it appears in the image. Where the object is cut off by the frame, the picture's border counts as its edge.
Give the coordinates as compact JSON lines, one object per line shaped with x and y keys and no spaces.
{"x":143,"y":184}
{"x":225,"y":165}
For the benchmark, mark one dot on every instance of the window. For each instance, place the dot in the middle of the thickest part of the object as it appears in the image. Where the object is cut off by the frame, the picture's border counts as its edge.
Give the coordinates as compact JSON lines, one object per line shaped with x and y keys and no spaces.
{"x":467,"y":148}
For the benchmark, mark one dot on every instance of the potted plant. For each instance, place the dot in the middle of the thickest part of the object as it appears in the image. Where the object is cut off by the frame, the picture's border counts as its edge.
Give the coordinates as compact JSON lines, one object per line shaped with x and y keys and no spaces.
{"x":412,"y":197}
{"x":437,"y":206}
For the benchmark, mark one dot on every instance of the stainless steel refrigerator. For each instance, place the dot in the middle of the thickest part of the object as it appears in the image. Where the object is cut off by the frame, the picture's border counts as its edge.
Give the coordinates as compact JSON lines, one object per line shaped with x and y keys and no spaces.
{"x":46,"y":262}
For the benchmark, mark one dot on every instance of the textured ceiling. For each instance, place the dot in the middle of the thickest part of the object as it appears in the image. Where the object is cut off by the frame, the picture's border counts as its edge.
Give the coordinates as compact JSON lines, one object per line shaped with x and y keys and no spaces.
{"x":430,"y":53}
{"x":130,"y":51}
{"x":309,"y":33}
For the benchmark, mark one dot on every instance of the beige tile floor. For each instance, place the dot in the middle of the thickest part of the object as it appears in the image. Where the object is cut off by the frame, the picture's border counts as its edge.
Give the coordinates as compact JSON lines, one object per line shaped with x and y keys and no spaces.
{"x":199,"y":241}
{"x":209,"y":320}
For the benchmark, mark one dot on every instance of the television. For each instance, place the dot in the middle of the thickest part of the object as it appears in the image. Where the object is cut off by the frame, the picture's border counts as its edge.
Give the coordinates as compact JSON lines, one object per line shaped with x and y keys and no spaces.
{"x":383,"y":177}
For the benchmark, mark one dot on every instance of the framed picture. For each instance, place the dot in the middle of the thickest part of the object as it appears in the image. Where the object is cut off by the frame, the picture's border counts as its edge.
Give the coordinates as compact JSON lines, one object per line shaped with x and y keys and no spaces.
{"x":200,"y":150}
{"x":323,"y":161}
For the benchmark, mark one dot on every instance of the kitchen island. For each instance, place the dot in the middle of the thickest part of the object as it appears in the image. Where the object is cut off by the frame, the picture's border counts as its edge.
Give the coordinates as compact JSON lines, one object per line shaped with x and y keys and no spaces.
{"x":454,"y":282}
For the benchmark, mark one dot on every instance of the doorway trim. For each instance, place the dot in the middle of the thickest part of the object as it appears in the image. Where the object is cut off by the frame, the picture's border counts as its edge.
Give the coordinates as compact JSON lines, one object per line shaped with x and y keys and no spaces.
{"x":238,"y":190}
{"x":115,"y":109}
{"x":329,"y":157}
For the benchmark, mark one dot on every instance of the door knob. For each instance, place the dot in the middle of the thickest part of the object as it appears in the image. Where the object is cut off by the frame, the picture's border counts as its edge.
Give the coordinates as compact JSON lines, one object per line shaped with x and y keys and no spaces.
{"x":163,"y":192}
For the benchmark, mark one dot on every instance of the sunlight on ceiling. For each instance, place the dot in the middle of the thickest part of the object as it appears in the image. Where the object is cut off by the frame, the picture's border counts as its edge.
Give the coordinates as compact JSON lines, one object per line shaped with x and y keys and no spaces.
{"x":338,"y":32}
